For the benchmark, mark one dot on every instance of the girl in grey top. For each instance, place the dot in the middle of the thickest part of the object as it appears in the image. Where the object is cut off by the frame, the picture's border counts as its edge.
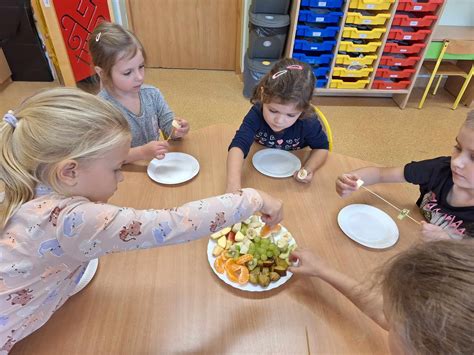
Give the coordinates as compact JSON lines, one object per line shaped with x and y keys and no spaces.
{"x":119,"y":60}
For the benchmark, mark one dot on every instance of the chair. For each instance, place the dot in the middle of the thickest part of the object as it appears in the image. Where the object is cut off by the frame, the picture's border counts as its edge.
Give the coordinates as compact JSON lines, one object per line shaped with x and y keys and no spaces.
{"x":449,"y":69}
{"x":327,"y":127}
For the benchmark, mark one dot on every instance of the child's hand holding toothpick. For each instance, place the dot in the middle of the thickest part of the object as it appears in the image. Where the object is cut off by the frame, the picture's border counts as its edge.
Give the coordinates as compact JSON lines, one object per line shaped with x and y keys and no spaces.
{"x":180,"y":127}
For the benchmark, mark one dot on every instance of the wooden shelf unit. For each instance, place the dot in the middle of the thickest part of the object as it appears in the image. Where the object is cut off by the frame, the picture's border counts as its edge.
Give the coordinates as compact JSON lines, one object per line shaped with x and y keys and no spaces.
{"x":400,"y":96}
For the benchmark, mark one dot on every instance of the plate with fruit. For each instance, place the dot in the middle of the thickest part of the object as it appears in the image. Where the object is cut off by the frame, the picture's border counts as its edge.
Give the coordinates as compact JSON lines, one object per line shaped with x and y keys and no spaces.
{"x":251,"y":256}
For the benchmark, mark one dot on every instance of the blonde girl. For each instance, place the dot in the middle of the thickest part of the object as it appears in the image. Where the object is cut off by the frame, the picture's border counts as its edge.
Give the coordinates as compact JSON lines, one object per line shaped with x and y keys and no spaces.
{"x":75,"y":144}
{"x":281,"y":118}
{"x":119,"y":61}
{"x":425,"y":300}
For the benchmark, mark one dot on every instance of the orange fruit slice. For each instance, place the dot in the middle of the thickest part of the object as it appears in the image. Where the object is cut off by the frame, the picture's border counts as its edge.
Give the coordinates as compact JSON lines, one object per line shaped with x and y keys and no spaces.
{"x":266,"y":230}
{"x":244,"y":258}
{"x":244,"y":275}
{"x":231,"y":270}
{"x":219,"y":264}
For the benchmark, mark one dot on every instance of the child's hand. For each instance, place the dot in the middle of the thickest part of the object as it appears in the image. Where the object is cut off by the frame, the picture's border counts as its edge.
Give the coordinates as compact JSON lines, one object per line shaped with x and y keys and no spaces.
{"x":303,"y":175}
{"x":272,"y":209}
{"x":346,"y":184}
{"x":431,"y":232}
{"x":309,"y":264}
{"x":182,"y":130}
{"x":155,"y":149}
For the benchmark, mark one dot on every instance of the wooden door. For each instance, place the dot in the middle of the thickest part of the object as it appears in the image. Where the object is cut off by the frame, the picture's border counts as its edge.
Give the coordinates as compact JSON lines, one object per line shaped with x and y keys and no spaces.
{"x":188,"y":34}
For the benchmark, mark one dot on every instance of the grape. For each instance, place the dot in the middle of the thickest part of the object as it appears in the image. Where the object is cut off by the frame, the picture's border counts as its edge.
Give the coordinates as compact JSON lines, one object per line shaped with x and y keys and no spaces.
{"x":257,"y":239}
{"x":262,"y":250}
{"x":269,"y":254}
{"x":256,"y":256}
{"x":263,"y":257}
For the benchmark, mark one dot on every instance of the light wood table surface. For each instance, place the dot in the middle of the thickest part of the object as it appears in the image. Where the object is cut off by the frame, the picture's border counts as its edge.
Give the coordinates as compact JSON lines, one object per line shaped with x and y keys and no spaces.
{"x":168,"y":300}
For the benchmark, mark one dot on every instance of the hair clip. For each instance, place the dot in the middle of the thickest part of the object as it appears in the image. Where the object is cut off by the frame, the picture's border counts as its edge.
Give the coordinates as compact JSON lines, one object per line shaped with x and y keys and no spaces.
{"x":294,"y":67}
{"x":279,"y":73}
{"x":10,"y":119}
{"x":98,"y":36}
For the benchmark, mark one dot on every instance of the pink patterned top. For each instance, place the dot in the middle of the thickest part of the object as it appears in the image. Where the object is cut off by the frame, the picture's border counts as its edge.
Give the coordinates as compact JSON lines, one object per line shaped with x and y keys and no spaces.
{"x":48,"y":242}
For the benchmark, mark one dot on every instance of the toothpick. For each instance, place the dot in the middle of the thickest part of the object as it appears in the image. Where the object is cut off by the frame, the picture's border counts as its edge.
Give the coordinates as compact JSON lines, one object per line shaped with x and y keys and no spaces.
{"x":395,"y":207}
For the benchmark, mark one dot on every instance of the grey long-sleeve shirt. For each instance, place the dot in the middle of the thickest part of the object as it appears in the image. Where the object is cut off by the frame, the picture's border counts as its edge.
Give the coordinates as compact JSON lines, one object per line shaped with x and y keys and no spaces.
{"x":155,"y":115}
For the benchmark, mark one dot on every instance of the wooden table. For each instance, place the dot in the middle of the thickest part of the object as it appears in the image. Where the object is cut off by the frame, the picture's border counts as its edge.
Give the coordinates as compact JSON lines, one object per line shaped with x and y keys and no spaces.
{"x":168,"y":300}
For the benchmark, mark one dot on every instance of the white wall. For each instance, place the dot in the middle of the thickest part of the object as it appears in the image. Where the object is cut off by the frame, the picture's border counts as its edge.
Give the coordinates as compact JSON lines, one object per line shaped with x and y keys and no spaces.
{"x":458,"y":13}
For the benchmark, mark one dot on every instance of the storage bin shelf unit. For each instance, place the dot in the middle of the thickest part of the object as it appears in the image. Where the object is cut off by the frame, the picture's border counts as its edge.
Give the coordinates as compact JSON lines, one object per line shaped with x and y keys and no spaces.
{"x":364,"y":47}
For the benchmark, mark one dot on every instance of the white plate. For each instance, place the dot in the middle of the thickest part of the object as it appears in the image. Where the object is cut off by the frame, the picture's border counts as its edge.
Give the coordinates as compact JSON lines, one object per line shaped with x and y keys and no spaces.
{"x":276,"y":163}
{"x":87,"y":277}
{"x":368,"y":226}
{"x":248,"y":286}
{"x":174,"y":168}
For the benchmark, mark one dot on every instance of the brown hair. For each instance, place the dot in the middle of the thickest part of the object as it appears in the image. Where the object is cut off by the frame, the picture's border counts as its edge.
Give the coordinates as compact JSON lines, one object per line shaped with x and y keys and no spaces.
{"x":52,"y":126}
{"x":293,"y":85}
{"x":429,"y":293}
{"x":110,"y":42}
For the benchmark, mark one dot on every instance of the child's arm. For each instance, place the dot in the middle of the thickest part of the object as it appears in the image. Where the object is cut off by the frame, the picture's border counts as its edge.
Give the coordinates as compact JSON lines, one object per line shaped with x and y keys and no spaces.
{"x":368,"y":301}
{"x":235,"y":160}
{"x":316,"y":159}
{"x":347,"y":182}
{"x":153,"y":149}
{"x":87,"y":230}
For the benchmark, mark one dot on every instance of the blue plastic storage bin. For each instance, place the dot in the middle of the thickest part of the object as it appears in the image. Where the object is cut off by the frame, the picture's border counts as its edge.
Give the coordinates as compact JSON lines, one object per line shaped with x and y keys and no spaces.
{"x":310,"y":31}
{"x":321,"y":59}
{"x":321,"y":83}
{"x":329,"y":4}
{"x":321,"y":71}
{"x":319,"y":16}
{"x":302,"y":44}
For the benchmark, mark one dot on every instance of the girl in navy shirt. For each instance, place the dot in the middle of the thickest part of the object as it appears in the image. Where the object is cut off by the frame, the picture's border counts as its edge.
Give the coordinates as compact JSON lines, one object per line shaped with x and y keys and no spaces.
{"x":282,"y":118}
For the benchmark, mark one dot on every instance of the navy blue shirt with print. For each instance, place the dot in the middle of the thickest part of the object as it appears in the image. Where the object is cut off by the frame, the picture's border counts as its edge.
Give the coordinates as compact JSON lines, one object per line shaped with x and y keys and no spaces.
{"x":435,"y":179}
{"x":306,"y":132}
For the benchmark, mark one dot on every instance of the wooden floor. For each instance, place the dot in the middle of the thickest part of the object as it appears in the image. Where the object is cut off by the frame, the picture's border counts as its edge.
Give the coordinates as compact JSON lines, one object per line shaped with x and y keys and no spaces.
{"x":372,"y":129}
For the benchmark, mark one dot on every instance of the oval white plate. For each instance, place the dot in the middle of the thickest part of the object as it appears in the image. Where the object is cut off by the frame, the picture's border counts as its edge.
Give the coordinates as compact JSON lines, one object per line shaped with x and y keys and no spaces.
{"x":276,"y":163}
{"x":87,"y":277}
{"x":248,"y":286}
{"x":174,"y":168}
{"x":369,"y":226}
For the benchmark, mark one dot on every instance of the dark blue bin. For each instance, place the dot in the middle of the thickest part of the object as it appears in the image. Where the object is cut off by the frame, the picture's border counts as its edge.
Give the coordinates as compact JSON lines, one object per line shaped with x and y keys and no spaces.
{"x":328,"y":4}
{"x":321,"y":83}
{"x":321,"y":71}
{"x":321,"y":59}
{"x":302,"y":44}
{"x":310,"y":31}
{"x":319,"y":16}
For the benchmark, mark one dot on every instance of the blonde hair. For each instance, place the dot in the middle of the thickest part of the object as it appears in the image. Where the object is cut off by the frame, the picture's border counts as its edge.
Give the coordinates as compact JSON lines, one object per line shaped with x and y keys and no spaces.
{"x":110,"y":42}
{"x":429,"y":293}
{"x":53,"y":125}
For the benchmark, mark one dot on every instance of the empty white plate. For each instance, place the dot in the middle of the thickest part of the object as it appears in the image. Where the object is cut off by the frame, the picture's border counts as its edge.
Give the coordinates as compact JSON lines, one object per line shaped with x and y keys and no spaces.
{"x":276,"y":163}
{"x":369,"y":226}
{"x":174,"y":168}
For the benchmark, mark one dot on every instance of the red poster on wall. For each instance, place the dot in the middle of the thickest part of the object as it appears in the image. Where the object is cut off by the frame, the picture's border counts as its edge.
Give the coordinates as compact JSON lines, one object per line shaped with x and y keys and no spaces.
{"x":77,"y":19}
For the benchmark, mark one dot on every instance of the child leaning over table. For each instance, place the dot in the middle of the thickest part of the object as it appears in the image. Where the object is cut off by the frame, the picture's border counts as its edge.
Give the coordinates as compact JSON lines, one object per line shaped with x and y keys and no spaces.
{"x":424,"y":297}
{"x":282,"y":117}
{"x":446,"y":187}
{"x":119,"y":60}
{"x":75,"y":143}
